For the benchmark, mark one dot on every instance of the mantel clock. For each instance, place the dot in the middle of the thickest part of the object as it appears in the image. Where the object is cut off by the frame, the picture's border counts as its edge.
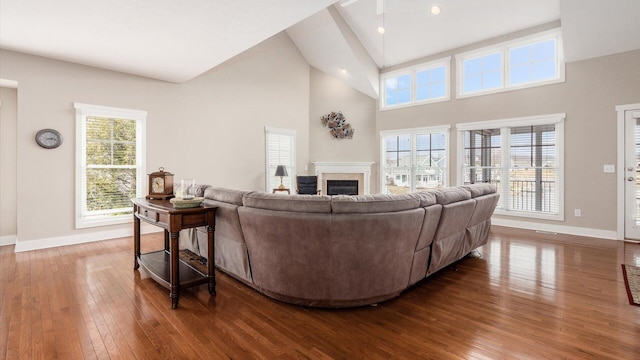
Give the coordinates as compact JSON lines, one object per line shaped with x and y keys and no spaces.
{"x":160,"y":185}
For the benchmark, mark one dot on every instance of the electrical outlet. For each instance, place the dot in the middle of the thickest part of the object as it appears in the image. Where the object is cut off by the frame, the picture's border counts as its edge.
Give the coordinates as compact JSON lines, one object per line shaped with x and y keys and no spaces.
{"x":609,"y":169}
{"x":577,"y":212}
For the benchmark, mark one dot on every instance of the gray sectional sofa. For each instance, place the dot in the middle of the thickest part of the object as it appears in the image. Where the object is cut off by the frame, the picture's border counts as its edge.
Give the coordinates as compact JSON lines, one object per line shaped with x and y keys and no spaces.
{"x":342,"y":251}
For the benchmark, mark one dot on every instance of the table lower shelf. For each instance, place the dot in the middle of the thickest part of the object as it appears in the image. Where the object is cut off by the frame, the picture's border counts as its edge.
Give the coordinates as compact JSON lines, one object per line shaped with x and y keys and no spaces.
{"x":157,"y":263}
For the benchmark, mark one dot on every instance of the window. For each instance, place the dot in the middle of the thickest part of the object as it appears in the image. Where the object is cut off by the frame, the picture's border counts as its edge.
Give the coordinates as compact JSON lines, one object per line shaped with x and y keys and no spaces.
{"x":522,"y":157}
{"x":414,"y":160}
{"x":419,"y":84}
{"x":431,"y":83}
{"x":397,"y":90}
{"x":110,"y":163}
{"x":483,"y":73}
{"x":530,"y":61}
{"x":280,"y":150}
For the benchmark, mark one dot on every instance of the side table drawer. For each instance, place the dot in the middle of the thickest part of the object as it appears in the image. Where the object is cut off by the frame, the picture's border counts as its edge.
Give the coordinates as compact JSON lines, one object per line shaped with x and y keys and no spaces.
{"x":152,"y":217}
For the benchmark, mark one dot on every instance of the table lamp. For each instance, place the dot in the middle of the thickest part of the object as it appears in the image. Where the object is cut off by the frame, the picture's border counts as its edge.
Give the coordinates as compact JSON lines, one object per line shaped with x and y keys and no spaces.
{"x":281,"y":171}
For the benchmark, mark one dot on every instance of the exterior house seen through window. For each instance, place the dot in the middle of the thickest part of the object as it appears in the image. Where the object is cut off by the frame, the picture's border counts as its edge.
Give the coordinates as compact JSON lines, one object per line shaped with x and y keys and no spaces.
{"x":414,"y":160}
{"x":110,"y":164}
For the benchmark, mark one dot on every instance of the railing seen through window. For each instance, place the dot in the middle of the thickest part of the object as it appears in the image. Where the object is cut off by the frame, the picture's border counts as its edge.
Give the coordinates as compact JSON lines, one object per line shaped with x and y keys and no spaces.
{"x":525,"y":158}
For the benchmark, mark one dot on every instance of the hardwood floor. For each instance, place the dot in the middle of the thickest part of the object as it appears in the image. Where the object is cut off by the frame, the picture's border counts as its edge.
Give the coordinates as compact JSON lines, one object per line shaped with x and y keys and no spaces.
{"x":529,"y":296}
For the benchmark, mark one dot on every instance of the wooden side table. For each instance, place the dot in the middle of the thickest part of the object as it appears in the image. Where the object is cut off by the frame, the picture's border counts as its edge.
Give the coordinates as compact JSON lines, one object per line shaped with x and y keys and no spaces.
{"x":165,"y":266}
{"x":287,"y":190}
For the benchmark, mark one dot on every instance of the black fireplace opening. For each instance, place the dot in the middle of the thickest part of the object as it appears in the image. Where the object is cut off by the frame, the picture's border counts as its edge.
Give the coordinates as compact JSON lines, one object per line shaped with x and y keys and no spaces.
{"x":342,"y":187}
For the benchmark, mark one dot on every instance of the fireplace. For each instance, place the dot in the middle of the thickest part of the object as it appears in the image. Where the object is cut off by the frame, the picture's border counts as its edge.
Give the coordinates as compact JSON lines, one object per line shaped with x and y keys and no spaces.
{"x":342,"y":187}
{"x":342,"y":170}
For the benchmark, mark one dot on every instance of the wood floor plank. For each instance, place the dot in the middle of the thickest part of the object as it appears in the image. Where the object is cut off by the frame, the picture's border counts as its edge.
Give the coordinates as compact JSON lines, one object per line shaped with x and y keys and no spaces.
{"x":527,"y":295}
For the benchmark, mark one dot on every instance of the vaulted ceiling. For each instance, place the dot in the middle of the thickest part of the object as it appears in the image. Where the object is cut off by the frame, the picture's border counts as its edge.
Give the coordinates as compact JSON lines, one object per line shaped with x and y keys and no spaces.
{"x":177,"y":41}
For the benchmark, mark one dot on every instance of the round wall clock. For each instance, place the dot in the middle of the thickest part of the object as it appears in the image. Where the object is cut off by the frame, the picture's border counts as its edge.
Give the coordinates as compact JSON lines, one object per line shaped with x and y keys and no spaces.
{"x":49,"y":138}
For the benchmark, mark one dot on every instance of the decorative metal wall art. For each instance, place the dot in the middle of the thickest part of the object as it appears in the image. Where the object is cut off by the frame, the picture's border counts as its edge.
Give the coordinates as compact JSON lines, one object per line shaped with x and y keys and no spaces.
{"x":337,"y":123}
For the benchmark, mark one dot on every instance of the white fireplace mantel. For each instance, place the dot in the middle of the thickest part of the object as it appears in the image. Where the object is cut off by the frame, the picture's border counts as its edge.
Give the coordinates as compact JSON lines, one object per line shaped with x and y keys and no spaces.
{"x":345,"y":167}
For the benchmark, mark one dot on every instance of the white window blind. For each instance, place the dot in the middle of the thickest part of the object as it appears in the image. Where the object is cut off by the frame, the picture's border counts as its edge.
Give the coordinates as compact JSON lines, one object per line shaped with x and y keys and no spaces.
{"x":523,"y":158}
{"x":483,"y":158}
{"x":280,"y":150}
{"x":533,"y":173}
{"x":110,"y":163}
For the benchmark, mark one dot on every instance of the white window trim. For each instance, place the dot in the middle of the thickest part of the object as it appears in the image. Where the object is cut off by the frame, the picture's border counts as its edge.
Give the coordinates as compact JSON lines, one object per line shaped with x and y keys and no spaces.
{"x":557,"y":119}
{"x":413,"y":132}
{"x":412,"y":71}
{"x":82,"y":111}
{"x":504,"y":48}
{"x":291,"y":171}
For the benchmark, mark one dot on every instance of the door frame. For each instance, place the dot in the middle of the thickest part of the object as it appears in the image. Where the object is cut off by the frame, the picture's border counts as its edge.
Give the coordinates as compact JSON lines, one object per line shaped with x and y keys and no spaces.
{"x":620,"y":184}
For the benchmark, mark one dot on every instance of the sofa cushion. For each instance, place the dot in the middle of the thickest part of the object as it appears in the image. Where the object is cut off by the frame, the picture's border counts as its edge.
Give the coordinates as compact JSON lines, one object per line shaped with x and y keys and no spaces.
{"x":349,"y":204}
{"x":426,"y":198}
{"x":450,"y":195}
{"x":480,"y":189}
{"x":229,"y":196}
{"x":299,"y":203}
{"x":197,"y":190}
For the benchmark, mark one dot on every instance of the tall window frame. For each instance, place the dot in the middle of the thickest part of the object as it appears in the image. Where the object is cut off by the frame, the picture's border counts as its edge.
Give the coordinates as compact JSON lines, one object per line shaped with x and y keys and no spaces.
{"x":510,"y":63}
{"x":88,"y":213}
{"x":416,"y":85}
{"x":421,"y":159}
{"x":496,"y":157}
{"x":280,"y":149}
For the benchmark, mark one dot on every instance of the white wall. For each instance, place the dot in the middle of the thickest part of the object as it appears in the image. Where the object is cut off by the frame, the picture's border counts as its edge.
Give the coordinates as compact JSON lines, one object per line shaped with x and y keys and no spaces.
{"x":211,"y":128}
{"x":330,"y":94}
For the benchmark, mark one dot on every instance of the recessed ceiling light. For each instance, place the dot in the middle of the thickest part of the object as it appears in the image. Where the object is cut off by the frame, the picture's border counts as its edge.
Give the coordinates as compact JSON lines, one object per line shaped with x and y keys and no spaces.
{"x":381,"y":30}
{"x":344,"y":71}
{"x":435,"y":9}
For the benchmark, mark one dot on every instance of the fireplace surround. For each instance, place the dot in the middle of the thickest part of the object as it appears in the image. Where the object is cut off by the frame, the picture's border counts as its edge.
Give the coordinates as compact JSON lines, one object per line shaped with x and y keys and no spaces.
{"x":343,"y":170}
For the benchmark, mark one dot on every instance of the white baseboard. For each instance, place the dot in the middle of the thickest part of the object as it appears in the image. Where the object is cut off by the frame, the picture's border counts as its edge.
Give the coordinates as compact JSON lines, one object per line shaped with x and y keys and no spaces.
{"x":80,"y":239}
{"x":7,"y":240}
{"x":147,"y":229}
{"x":571,"y":230}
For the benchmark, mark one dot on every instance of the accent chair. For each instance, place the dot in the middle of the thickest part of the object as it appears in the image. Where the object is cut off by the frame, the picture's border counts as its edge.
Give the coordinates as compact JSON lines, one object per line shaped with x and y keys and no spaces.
{"x":307,"y":185}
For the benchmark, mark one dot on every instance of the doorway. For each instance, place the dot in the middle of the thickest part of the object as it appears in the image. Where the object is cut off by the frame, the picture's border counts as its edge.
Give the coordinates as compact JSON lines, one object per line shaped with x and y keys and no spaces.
{"x":629,"y":169}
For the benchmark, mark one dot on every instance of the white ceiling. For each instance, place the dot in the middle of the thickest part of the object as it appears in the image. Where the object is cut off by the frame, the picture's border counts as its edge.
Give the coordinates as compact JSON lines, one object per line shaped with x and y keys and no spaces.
{"x":177,"y":41}
{"x":593,"y":28}
{"x":164,"y":39}
{"x":413,"y":32}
